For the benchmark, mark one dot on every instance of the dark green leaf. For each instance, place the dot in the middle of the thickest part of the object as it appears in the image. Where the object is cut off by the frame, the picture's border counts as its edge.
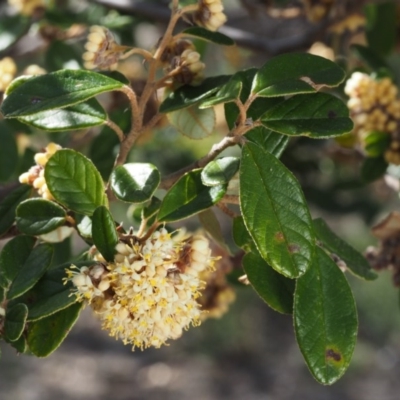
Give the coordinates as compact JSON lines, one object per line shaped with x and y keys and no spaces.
{"x":227,"y":93}
{"x":193,"y":122}
{"x":276,"y":290}
{"x":189,"y":196}
{"x":75,"y":182}
{"x":381,"y":27}
{"x":241,"y":236}
{"x":210,"y":223}
{"x":373,"y":168}
{"x":11,"y":29}
{"x":9,"y":205}
{"x":38,"y":216}
{"x":55,"y":90}
{"x":135,"y":182}
{"x":77,"y":116}
{"x":104,"y":234}
{"x":61,"y":55}
{"x":8,"y":152}
{"x":152,"y":209}
{"x":275,"y":212}
{"x":14,"y":322}
{"x":273,"y":142}
{"x":117,"y":76}
{"x":318,"y":115}
{"x":325,"y":319}
{"x":370,"y":58}
{"x":187,"y":95}
{"x":20,"y":345}
{"x":355,"y":262}
{"x":45,"y":335}
{"x":375,"y":143}
{"x":220,"y":171}
{"x":202,"y":33}
{"x":31,"y":270}
{"x":295,"y":73}
{"x":15,"y":254}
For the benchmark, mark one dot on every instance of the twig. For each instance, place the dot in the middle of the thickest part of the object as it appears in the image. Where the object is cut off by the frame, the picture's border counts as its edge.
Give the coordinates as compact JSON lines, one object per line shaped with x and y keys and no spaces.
{"x":116,"y":129}
{"x":231,"y":199}
{"x":224,"y":208}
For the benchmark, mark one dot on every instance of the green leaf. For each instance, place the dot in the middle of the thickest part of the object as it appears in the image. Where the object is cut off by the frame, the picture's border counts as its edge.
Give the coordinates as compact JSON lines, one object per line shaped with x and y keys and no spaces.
{"x":193,"y":122}
{"x":14,"y":322}
{"x":220,"y":171}
{"x":46,"y":335}
{"x":31,"y":270}
{"x":49,"y":295}
{"x":77,"y":116}
{"x":12,"y":28}
{"x":381,"y":27}
{"x":295,"y":73}
{"x":135,"y":182}
{"x":227,"y":93}
{"x":38,"y":216}
{"x":214,"y":37}
{"x":104,"y":234}
{"x":369,"y":57}
{"x":275,"y":212}
{"x":318,"y":115}
{"x":9,"y":205}
{"x":187,"y":95}
{"x":75,"y":182}
{"x":152,"y":209}
{"x":375,"y":143}
{"x":273,"y":142}
{"x":8,"y":152}
{"x":355,"y":262}
{"x":373,"y":168}
{"x":55,"y":90}
{"x":15,"y":253}
{"x":241,"y":236}
{"x":210,"y":223}
{"x":20,"y":345}
{"x":325,"y":319}
{"x":61,"y":55}
{"x":189,"y":196}
{"x":276,"y":290}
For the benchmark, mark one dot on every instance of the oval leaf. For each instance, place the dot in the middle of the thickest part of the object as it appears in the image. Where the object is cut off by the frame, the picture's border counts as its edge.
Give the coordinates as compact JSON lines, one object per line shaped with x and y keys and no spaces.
{"x":220,"y":172}
{"x":276,"y":290}
{"x":318,"y":115}
{"x":135,"y":182}
{"x":188,"y":197}
{"x":9,"y":205}
{"x":325,"y":319}
{"x":104,"y":234}
{"x":14,"y":322}
{"x":229,"y":92}
{"x":55,"y":90}
{"x":293,"y":73}
{"x":75,"y":182}
{"x":210,"y":223}
{"x":354,"y":260}
{"x":214,"y":37}
{"x":38,"y":216}
{"x":8,"y":152}
{"x":193,"y":121}
{"x":275,"y":212}
{"x":45,"y":335}
{"x":31,"y":270}
{"x":273,"y":142}
{"x":77,"y":116}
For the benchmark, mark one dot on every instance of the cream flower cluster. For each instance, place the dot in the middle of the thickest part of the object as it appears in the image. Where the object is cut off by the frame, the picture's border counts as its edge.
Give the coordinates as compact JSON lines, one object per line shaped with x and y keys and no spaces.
{"x":374,"y":106}
{"x":148,"y":294}
{"x":26,"y":7}
{"x":8,"y":69}
{"x":315,"y":11}
{"x":103,"y":52}
{"x":35,"y":175}
{"x":210,"y":14}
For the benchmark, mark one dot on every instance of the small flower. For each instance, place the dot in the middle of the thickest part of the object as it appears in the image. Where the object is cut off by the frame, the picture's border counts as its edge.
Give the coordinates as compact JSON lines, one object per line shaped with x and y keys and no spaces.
{"x":149,"y":293}
{"x":27,"y":7}
{"x":35,"y":175}
{"x":103,"y":52}
{"x":210,"y":14}
{"x":187,"y":67}
{"x":34,"y":70}
{"x":8,"y":69}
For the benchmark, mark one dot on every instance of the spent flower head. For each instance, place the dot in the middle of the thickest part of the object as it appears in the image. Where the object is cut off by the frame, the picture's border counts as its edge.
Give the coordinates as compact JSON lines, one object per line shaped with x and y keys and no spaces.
{"x":149,"y":293}
{"x":210,"y":14}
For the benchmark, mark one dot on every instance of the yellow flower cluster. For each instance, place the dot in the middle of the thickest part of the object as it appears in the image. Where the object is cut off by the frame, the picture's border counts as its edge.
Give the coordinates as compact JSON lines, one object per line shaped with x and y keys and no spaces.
{"x":103,"y":52}
{"x":35,"y":175}
{"x":8,"y":69}
{"x":26,"y":7}
{"x":148,"y":294}
{"x":374,"y":106}
{"x":210,"y":14}
{"x":182,"y":58}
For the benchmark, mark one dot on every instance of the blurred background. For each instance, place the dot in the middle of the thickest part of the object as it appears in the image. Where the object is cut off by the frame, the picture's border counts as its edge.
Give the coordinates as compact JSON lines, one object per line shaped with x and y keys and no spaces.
{"x":251,"y":352}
